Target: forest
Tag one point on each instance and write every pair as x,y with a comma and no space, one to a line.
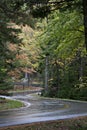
47,37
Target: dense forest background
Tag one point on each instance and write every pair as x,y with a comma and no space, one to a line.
45,37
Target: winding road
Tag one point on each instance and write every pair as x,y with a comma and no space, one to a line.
41,109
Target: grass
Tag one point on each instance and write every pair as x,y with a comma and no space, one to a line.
68,124
6,104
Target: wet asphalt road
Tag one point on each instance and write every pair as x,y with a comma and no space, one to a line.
42,109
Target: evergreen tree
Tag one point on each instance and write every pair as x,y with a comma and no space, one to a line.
12,12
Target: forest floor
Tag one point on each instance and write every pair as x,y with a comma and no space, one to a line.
79,123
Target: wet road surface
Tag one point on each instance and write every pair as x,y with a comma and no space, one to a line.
42,109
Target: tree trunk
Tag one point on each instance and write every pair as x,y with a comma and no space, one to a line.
28,79
46,74
85,20
81,69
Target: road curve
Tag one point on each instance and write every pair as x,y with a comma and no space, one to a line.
42,109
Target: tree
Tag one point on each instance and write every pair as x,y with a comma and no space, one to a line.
8,35
11,14
44,8
85,20
63,39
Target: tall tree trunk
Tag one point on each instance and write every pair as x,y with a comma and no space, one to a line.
46,74
80,60
28,79
81,69
85,20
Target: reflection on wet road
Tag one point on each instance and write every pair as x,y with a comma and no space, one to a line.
41,109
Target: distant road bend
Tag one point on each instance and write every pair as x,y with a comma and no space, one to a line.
41,109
